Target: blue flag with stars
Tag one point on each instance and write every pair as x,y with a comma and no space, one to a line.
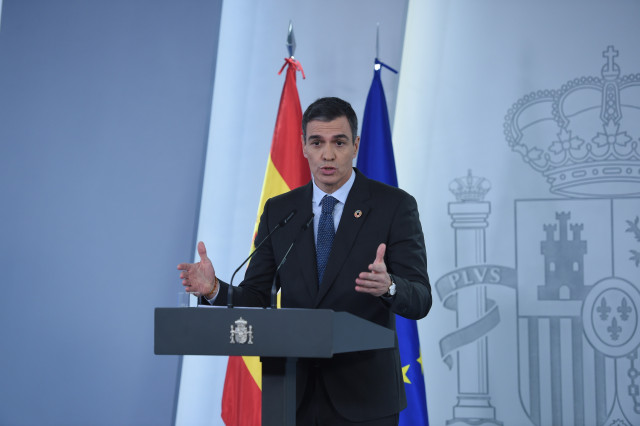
376,161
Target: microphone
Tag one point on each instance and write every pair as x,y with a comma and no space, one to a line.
274,291
280,224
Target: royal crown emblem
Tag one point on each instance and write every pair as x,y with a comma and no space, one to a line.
469,188
582,137
241,333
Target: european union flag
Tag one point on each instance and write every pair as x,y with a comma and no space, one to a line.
376,161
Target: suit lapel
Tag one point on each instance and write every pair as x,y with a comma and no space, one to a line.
350,224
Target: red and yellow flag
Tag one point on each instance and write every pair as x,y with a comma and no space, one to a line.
286,169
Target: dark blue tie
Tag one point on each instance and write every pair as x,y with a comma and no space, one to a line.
325,234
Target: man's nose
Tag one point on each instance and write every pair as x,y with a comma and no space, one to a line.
328,154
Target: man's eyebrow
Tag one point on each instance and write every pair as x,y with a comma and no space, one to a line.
340,136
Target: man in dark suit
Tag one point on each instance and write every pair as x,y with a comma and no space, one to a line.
366,255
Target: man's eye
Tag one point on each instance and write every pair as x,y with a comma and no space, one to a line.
340,143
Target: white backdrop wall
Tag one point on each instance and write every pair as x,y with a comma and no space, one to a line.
336,44
535,281
508,341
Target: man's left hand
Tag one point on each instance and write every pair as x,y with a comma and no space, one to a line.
377,281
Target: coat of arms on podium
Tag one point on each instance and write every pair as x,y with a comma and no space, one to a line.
241,333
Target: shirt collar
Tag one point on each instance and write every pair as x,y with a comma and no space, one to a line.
340,194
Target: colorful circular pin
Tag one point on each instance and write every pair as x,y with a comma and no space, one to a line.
357,213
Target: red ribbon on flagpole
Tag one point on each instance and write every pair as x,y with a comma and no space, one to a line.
294,63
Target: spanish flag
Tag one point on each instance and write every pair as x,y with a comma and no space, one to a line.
286,169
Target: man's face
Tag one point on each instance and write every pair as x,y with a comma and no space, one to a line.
330,150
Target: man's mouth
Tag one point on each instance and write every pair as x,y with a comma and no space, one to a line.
327,170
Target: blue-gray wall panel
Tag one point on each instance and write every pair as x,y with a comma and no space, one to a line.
104,108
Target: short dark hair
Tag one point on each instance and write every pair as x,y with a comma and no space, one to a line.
328,109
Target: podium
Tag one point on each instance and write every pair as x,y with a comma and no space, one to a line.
278,336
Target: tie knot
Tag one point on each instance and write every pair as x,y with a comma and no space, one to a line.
328,203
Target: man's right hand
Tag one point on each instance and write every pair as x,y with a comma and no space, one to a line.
198,278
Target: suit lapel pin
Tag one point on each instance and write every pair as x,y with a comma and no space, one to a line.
357,214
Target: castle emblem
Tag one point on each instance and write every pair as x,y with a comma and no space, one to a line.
241,334
563,261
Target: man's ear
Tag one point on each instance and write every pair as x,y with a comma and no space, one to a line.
304,147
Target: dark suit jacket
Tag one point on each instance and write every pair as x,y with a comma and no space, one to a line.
362,385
